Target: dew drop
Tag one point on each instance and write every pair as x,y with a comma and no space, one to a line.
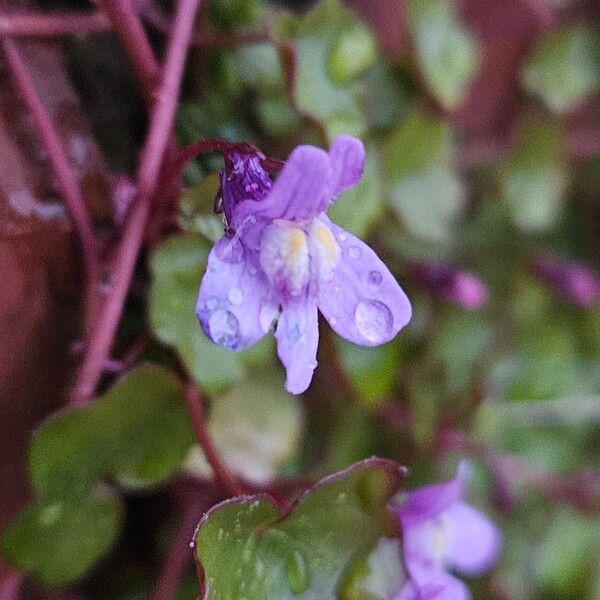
374,278
212,303
235,296
374,320
354,252
343,236
297,572
224,329
332,321
50,514
191,545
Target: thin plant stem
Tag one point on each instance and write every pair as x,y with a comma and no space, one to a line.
44,25
130,30
68,185
196,412
151,158
177,559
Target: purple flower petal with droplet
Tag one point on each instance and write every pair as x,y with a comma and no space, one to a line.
282,258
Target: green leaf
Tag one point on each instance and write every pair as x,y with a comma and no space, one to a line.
59,540
353,53
535,178
197,209
424,191
361,206
256,427
429,203
246,549
372,369
566,556
138,431
445,49
259,67
177,267
564,68
316,94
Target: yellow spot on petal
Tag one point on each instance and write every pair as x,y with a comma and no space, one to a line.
296,246
326,238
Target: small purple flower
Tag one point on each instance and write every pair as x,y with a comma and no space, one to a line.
281,260
451,284
442,533
574,282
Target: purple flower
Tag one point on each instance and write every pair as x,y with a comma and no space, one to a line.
281,260
574,282
451,284
442,533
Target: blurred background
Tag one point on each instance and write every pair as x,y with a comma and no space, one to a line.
481,192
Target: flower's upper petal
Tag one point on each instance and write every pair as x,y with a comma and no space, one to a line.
362,302
301,191
235,305
475,542
427,582
430,501
347,156
297,339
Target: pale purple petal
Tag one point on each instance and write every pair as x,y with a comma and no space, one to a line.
429,501
297,339
235,305
362,302
301,191
347,155
475,541
430,583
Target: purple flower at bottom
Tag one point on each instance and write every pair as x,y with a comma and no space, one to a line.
282,260
441,533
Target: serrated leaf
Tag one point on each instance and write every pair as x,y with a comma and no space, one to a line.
247,549
564,68
255,426
177,267
58,540
445,49
138,431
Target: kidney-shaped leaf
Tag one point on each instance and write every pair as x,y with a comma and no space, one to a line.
59,540
247,549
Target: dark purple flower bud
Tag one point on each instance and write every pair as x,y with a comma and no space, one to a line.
243,179
572,281
451,284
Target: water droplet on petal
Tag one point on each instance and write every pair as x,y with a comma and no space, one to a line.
374,278
212,303
354,252
374,320
332,321
224,329
235,296
297,573
343,236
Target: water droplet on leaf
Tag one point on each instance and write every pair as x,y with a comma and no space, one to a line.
374,320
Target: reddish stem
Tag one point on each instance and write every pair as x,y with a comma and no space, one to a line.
31,24
132,35
151,158
69,187
177,559
196,411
